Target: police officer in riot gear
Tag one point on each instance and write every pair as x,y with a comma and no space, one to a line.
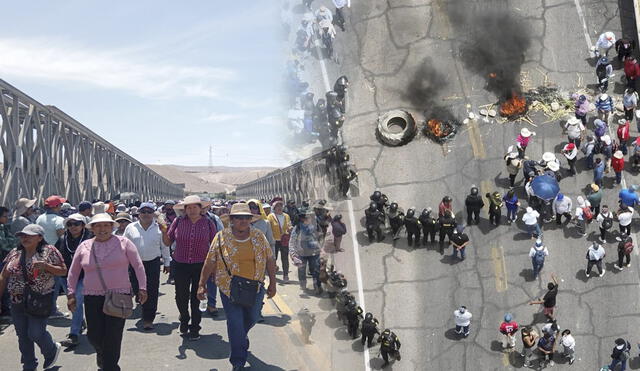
447,224
412,225
346,174
369,329
474,204
343,298
373,219
389,346
381,201
354,313
429,225
340,87
396,219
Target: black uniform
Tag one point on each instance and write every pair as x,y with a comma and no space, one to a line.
369,329
495,207
343,298
381,201
396,220
340,87
389,346
474,204
354,313
412,225
373,219
346,174
429,225
447,225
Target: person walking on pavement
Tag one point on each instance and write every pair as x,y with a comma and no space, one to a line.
568,346
598,172
604,105
307,248
474,204
583,215
538,254
338,19
546,348
529,337
514,164
623,135
605,222
281,229
511,202
548,301
238,259
631,72
530,219
22,213
595,198
595,255
447,224
575,131
625,217
495,207
620,354
522,141
581,105
508,329
147,237
462,318
625,247
617,163
588,149
606,41
570,152
562,206
459,240
429,226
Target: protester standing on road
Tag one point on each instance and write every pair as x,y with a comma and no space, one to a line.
339,17
307,248
625,247
511,202
529,337
240,254
631,73
522,141
617,163
538,254
595,198
67,245
581,105
606,41
625,217
595,254
33,264
620,354
51,220
568,346
588,149
508,329
22,214
462,318
192,234
549,299
281,229
123,219
623,135
530,219
583,215
147,237
598,172
605,221
460,241
575,131
514,164
604,105
570,152
262,224
562,207
546,347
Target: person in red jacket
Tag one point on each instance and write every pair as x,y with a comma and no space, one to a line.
617,163
623,135
631,71
508,328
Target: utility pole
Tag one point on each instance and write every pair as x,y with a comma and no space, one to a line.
210,158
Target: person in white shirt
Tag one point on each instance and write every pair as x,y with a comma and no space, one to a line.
530,219
605,222
605,42
568,346
595,254
462,318
146,235
575,131
625,216
581,221
570,152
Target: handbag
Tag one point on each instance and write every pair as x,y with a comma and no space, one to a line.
115,304
243,290
284,237
35,304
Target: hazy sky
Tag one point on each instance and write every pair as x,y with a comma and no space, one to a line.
161,80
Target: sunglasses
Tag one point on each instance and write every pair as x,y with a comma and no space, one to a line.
242,217
146,211
74,224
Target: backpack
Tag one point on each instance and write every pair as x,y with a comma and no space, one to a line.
607,222
600,131
628,247
587,215
538,258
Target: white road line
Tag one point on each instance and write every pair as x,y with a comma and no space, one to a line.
584,25
352,218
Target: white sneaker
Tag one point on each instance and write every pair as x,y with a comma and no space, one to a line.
617,267
603,272
627,265
551,363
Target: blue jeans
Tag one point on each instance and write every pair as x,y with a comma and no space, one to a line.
614,362
314,267
512,213
78,315
618,176
31,330
239,321
589,160
212,291
536,268
455,253
60,282
535,228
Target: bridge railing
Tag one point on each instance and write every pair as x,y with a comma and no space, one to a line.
45,151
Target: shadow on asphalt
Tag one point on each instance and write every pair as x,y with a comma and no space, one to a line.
83,347
582,276
451,335
496,346
332,321
276,321
258,364
377,362
208,347
527,274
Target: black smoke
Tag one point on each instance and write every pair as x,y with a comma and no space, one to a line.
424,91
494,41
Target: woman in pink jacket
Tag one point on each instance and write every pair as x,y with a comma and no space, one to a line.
113,254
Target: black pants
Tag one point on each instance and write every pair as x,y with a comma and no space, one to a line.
353,326
473,214
628,114
104,333
572,165
386,353
374,228
368,338
395,226
595,210
429,232
512,179
187,277
448,232
284,256
597,263
494,217
603,234
338,19
559,217
626,230
152,271
413,234
622,256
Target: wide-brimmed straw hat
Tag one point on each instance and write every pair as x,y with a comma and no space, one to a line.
22,205
101,218
548,157
618,154
526,132
123,216
553,166
75,217
98,208
240,209
191,200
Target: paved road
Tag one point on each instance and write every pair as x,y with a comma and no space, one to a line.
415,291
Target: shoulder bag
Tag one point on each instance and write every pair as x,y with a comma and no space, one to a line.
284,237
243,290
35,304
115,304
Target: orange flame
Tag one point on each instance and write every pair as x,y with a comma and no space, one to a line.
493,75
435,127
514,106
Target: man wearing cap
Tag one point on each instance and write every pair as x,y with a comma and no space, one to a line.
51,220
67,244
146,235
538,253
22,214
562,205
530,219
570,152
620,354
123,219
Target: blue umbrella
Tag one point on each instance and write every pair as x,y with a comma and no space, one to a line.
545,187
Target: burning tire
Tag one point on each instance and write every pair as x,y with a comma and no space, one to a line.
396,128
440,131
